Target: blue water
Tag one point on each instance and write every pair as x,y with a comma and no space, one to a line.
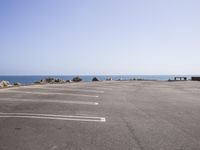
32,79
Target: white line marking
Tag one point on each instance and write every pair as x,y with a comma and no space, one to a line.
102,88
48,93
49,101
95,88
87,87
52,117
66,89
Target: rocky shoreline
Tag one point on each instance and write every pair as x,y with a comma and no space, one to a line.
51,80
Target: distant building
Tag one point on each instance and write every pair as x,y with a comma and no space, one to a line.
195,78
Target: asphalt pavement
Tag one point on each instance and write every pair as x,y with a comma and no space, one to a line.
108,115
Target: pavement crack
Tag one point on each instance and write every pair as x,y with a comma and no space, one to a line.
133,135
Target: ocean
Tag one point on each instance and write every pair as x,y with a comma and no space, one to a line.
87,78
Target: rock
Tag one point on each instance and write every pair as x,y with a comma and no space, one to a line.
109,79
37,82
1,86
140,79
40,82
59,81
17,84
43,81
62,81
77,79
95,79
69,81
50,80
4,84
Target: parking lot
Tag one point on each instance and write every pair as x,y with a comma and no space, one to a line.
109,115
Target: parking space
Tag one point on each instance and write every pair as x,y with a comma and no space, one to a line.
53,100
48,103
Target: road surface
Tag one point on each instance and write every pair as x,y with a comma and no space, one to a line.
109,115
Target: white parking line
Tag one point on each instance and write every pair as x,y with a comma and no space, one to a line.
66,89
98,88
86,87
49,101
48,93
52,117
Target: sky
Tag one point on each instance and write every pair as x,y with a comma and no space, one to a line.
99,37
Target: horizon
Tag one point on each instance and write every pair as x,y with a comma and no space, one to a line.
99,75
111,75
99,37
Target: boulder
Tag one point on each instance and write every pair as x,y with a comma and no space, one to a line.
40,82
109,79
4,84
59,81
37,82
50,80
17,84
77,79
62,81
95,79
69,81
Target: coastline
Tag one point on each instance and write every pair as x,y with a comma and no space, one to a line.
29,79
43,82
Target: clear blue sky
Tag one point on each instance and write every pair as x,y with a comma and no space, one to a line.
66,37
